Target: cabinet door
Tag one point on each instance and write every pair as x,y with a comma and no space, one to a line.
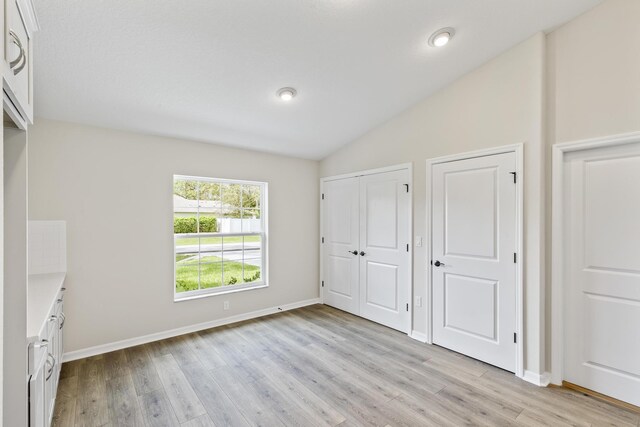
50,368
18,74
37,400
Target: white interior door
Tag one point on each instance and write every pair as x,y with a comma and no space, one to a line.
473,250
384,248
602,271
366,249
341,244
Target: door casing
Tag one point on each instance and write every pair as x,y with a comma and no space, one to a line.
518,149
403,166
557,233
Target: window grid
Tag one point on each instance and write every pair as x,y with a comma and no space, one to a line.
255,211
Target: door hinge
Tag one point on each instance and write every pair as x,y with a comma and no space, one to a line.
322,196
406,185
515,338
514,176
515,258
323,283
407,247
407,306
323,240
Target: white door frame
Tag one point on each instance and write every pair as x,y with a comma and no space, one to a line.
518,149
402,166
557,233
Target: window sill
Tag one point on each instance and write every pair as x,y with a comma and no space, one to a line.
178,298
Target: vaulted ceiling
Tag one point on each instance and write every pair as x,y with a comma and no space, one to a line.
209,70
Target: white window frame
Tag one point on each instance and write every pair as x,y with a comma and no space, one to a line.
264,278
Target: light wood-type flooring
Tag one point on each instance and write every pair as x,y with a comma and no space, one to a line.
314,366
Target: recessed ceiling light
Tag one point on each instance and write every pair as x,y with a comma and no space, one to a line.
441,37
286,93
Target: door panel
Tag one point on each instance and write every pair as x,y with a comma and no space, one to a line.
381,212
602,271
382,289
474,237
341,267
470,306
384,235
471,191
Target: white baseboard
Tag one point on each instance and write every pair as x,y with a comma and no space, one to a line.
541,380
419,336
130,342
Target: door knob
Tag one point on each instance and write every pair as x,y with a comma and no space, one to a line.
353,252
362,253
438,263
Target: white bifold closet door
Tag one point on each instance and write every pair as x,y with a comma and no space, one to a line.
366,247
602,271
473,248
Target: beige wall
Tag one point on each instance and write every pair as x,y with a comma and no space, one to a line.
594,81
500,103
114,189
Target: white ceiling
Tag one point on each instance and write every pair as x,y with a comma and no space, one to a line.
208,70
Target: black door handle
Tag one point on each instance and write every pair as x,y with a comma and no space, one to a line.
362,253
438,263
353,252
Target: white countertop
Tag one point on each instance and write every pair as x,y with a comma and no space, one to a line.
42,290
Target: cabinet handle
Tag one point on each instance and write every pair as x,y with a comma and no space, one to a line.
43,343
63,319
53,365
24,62
15,40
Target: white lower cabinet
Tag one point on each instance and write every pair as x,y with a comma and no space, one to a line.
45,357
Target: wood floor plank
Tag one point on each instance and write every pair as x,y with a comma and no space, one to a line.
311,366
181,351
65,409
256,411
357,405
115,364
143,371
222,411
206,354
316,407
124,408
201,421
70,369
91,403
184,401
156,409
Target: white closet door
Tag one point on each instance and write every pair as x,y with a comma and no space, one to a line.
602,271
341,244
384,249
473,246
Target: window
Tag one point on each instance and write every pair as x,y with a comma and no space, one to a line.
219,228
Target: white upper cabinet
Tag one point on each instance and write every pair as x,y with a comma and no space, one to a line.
20,24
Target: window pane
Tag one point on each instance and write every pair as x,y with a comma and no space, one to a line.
207,223
210,275
252,270
231,194
185,189
186,276
251,196
232,272
252,248
251,222
210,249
